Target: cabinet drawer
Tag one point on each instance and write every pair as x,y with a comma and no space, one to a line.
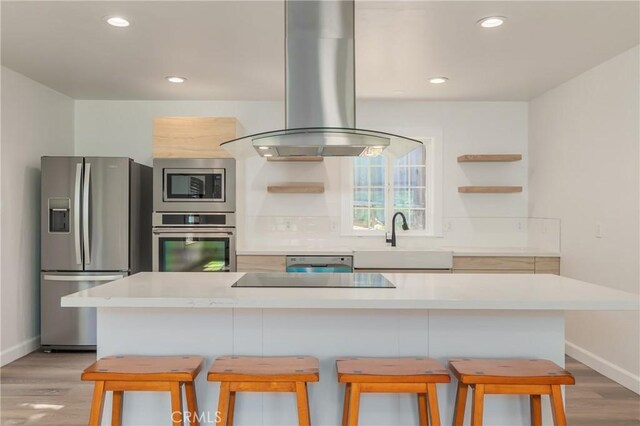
405,271
261,263
547,265
491,271
516,263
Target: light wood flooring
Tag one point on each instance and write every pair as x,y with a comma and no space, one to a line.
45,389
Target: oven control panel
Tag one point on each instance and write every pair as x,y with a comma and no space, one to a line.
194,219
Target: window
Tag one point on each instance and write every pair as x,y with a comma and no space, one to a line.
380,186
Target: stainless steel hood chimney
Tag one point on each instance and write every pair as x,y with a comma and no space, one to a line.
320,91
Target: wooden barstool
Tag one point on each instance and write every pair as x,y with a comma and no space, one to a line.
263,374
391,375
144,373
533,377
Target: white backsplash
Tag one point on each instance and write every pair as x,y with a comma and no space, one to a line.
324,232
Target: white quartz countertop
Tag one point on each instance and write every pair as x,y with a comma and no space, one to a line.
413,291
347,251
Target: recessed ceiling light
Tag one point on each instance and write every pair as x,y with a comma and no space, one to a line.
175,79
492,21
438,80
117,21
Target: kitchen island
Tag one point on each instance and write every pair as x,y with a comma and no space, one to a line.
435,315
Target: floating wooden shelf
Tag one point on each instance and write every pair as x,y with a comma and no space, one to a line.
489,189
295,159
296,188
489,158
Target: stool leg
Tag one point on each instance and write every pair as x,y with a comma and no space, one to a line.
223,404
478,405
345,408
434,412
422,409
95,415
354,404
116,408
232,407
304,419
461,403
177,414
192,403
535,401
557,406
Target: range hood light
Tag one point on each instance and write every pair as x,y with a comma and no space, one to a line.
372,151
264,148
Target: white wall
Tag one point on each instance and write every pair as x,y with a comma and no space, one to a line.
36,121
584,169
125,128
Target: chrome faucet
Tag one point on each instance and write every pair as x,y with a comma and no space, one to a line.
405,227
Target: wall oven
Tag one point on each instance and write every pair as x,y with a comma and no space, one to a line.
194,242
194,184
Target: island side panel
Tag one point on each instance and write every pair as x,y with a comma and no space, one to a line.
164,331
332,333
326,334
495,334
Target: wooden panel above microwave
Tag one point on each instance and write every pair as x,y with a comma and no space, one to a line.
192,137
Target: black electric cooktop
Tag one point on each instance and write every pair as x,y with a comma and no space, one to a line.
311,280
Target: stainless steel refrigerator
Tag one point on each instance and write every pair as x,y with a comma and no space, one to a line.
95,228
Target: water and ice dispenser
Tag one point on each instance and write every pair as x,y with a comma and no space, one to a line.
59,215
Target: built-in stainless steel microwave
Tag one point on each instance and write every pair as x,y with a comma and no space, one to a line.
194,185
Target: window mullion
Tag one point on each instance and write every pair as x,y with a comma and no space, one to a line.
389,198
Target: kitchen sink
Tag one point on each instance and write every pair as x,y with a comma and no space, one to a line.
402,258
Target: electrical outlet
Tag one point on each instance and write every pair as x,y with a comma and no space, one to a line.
599,233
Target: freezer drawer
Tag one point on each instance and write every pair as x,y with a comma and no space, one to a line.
68,327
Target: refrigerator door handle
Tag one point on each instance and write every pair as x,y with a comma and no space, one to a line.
85,214
83,277
76,213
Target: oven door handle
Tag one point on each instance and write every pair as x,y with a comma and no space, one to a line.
192,231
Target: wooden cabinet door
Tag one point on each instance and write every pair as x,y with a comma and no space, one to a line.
192,137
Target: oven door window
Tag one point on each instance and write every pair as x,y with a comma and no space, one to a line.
200,185
194,254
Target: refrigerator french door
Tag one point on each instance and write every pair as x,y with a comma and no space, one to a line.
90,235
85,214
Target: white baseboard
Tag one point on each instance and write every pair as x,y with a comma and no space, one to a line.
19,350
604,367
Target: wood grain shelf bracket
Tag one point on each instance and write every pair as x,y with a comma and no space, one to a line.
489,189
295,159
489,158
296,188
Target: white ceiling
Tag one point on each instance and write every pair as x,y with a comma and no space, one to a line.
234,50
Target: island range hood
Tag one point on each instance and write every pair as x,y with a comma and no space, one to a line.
320,91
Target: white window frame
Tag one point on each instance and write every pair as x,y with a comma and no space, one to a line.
433,189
